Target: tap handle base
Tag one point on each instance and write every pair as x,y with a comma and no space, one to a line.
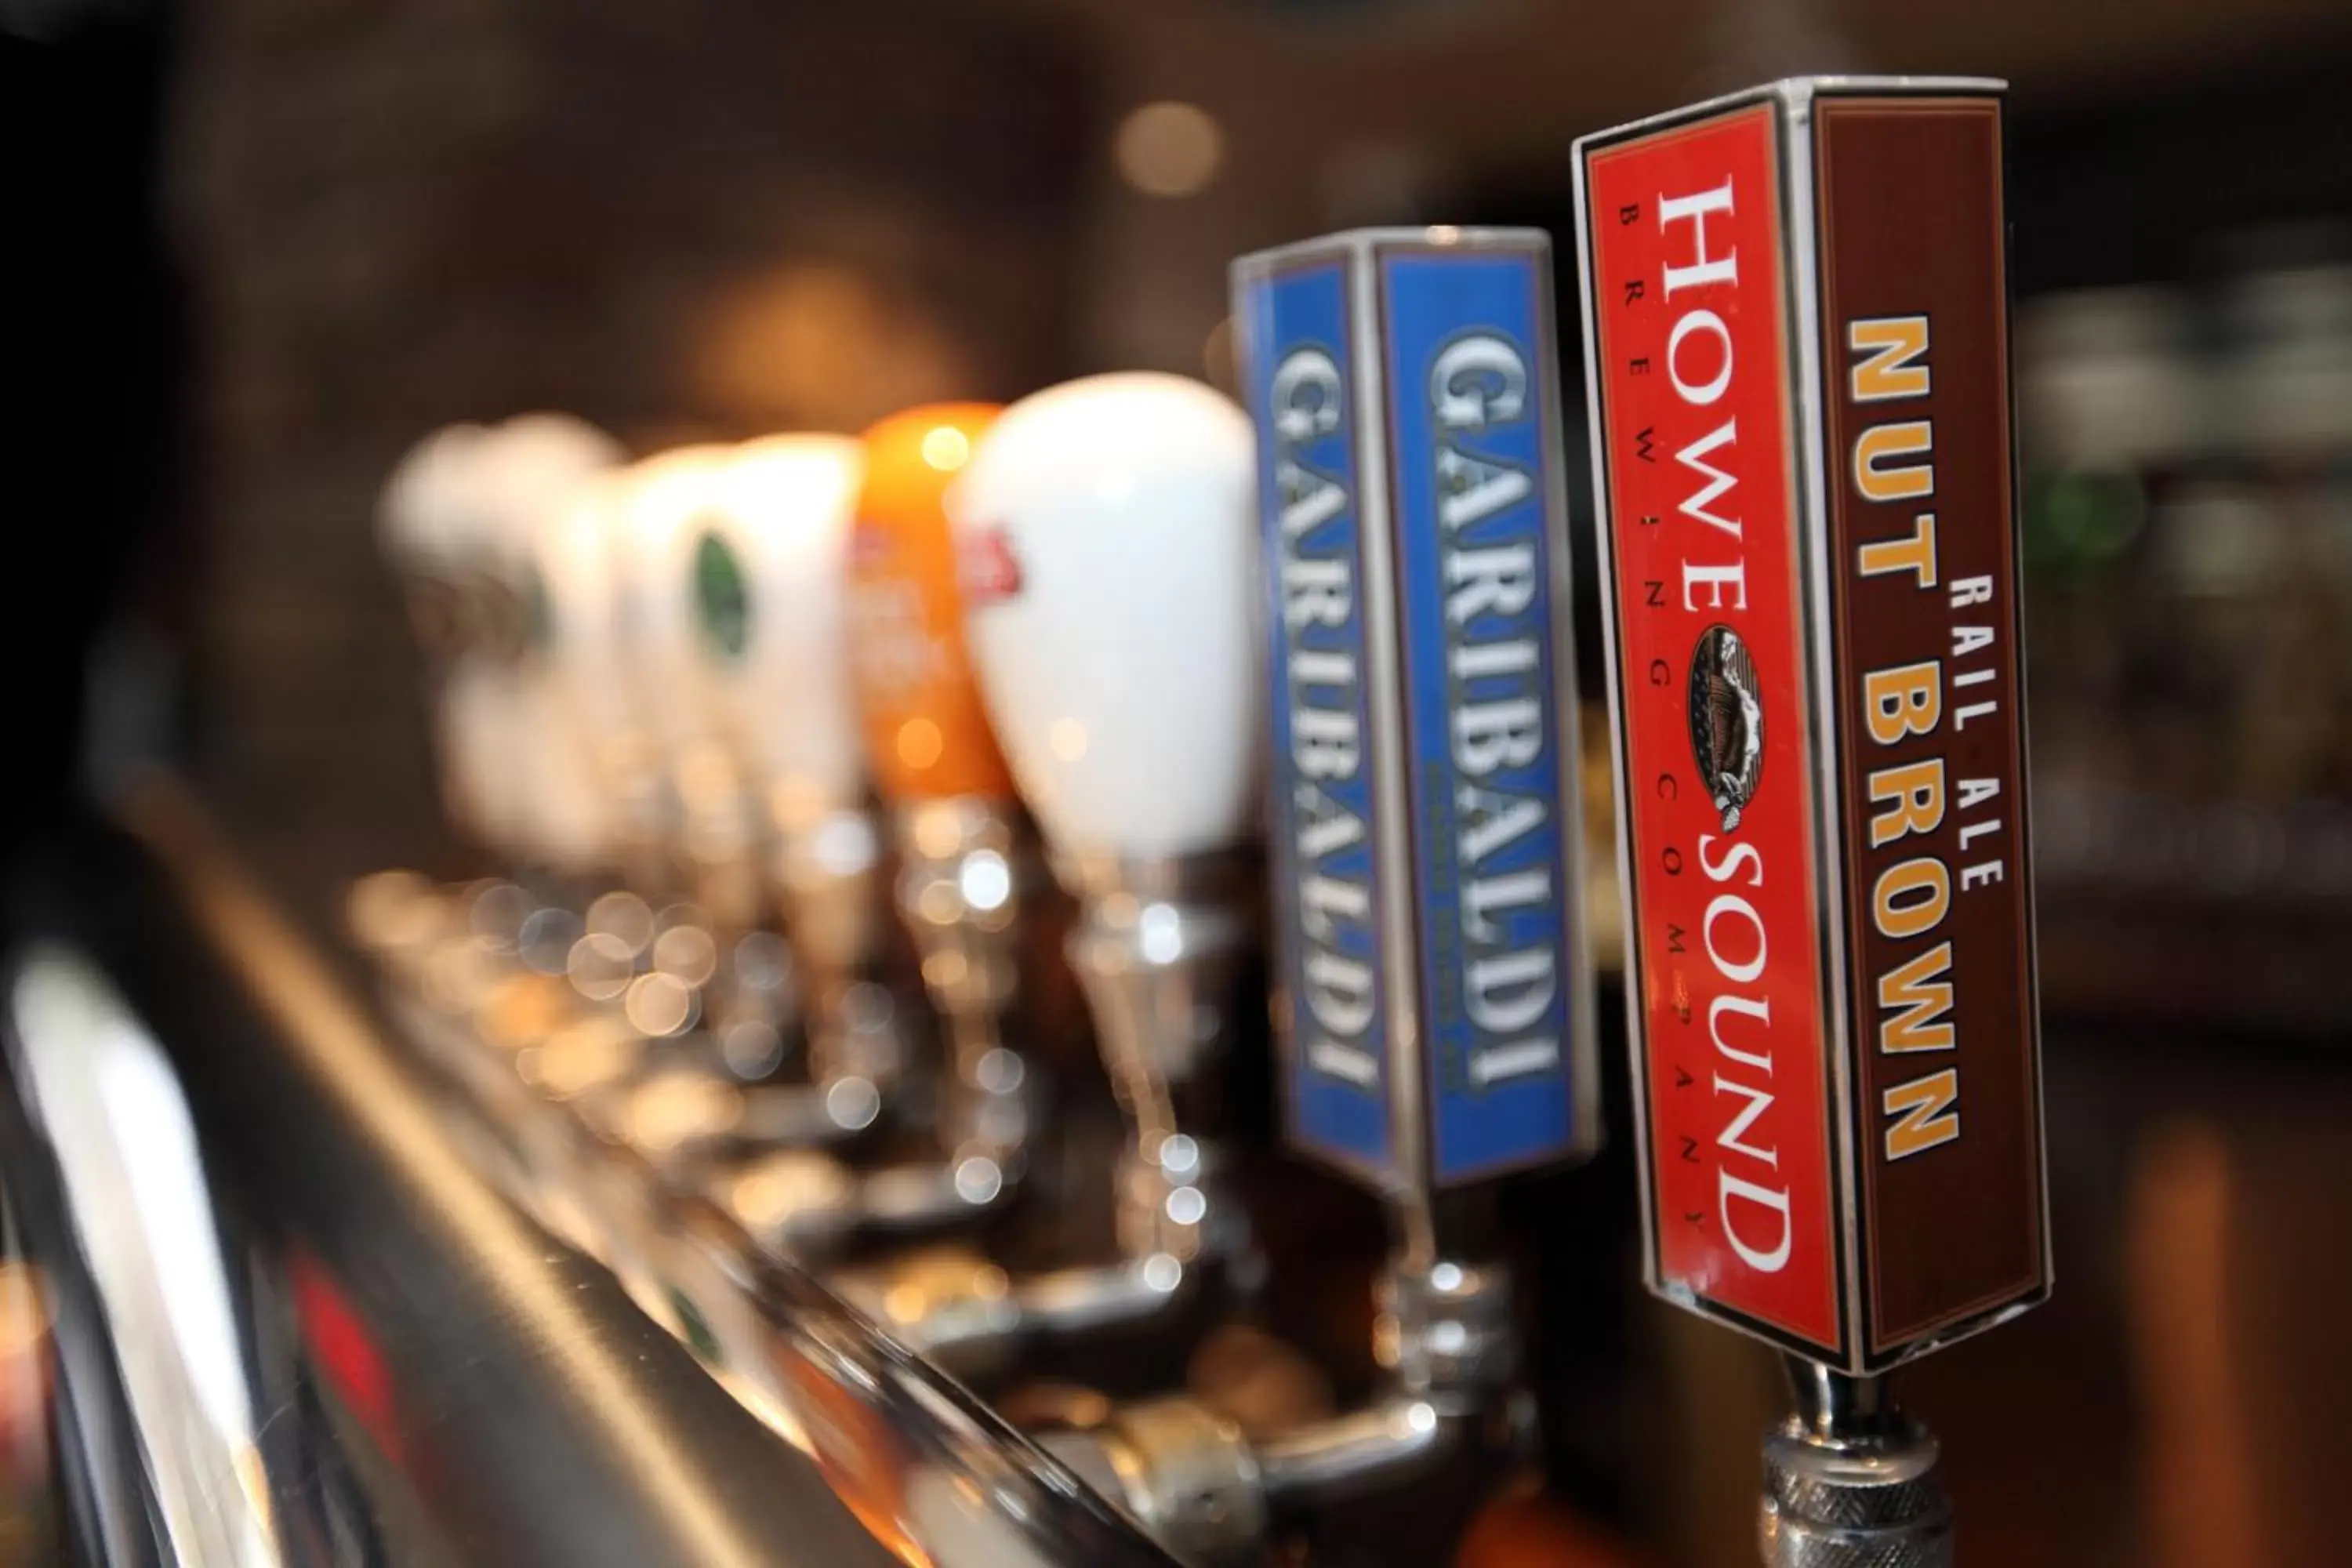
1878,1503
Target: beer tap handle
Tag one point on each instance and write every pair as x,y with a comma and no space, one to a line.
767,582
937,764
768,602
538,467
1434,985
594,684
1815,686
683,608
1433,988
1101,536
464,518
429,526
1103,531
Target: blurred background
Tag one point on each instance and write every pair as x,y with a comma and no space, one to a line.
256,249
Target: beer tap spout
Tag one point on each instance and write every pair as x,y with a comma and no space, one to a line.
958,892
1210,1493
1156,951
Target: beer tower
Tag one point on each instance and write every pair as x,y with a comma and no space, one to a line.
431,526
535,469
594,682
928,742
668,530
766,584
1101,531
1432,984
1796,310
949,795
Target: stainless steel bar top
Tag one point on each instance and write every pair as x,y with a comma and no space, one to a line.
296,1325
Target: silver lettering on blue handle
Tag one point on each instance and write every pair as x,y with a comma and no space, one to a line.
1434,999
1472,483
1299,380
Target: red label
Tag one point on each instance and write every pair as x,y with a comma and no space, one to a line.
870,546
1687,289
986,568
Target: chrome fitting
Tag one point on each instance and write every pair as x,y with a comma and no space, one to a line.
1445,1331
1183,1472
719,833
1156,951
803,1201
1851,1482
827,866
1209,1494
959,894
971,1317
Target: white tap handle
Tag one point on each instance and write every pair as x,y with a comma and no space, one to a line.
431,525
421,515
536,467
594,679
672,501
1110,580
771,590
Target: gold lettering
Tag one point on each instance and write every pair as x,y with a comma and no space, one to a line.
1895,341
1911,897
1924,999
1907,699
1877,446
1929,1111
1915,554
1917,791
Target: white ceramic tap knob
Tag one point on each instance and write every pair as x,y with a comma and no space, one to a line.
1109,573
537,467
536,462
672,502
421,516
772,585
434,532
589,643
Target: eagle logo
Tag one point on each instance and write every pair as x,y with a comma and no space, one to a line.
1726,720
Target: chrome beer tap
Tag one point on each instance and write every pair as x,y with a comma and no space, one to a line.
600,691
958,892
1433,991
612,723
767,566
669,508
952,817
696,535
1820,722
458,519
1102,531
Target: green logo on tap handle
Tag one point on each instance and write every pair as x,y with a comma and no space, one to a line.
722,605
